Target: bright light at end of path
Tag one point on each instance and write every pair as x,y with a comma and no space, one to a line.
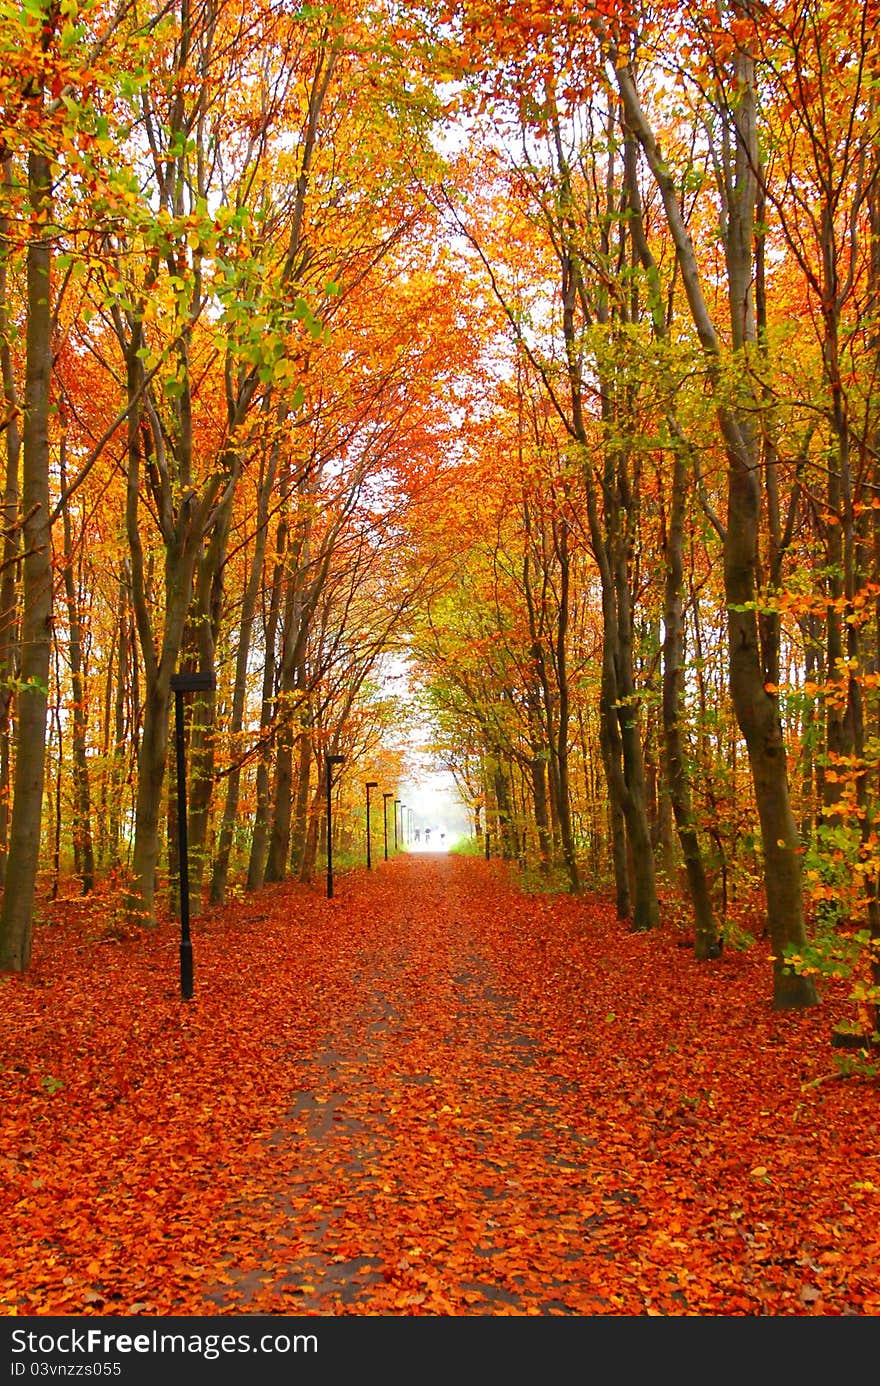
439,818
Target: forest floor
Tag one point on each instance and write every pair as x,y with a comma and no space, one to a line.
434,1094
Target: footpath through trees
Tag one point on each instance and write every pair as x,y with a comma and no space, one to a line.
434,1094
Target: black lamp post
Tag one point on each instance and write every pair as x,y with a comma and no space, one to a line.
371,784
180,684
396,802
385,798
331,761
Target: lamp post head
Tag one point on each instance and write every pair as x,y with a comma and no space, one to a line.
372,784
193,683
335,760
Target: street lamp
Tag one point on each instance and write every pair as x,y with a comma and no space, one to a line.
180,684
385,798
396,803
371,784
331,761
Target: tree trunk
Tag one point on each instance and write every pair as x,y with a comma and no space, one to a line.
303,783
16,916
9,651
245,631
298,609
120,755
646,909
310,855
616,823
262,814
502,804
153,754
538,780
82,803
559,743
707,938
206,620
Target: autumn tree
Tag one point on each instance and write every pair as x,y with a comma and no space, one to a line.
753,662
54,83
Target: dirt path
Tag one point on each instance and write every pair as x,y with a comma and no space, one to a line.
433,1111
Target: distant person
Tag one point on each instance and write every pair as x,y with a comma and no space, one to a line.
418,834
427,836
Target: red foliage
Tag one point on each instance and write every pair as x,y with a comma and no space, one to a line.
430,1095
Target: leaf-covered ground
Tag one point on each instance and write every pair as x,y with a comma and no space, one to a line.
431,1095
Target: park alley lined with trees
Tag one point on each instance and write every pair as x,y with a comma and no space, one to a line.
528,348
496,383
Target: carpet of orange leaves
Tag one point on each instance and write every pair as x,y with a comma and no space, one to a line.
430,1095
